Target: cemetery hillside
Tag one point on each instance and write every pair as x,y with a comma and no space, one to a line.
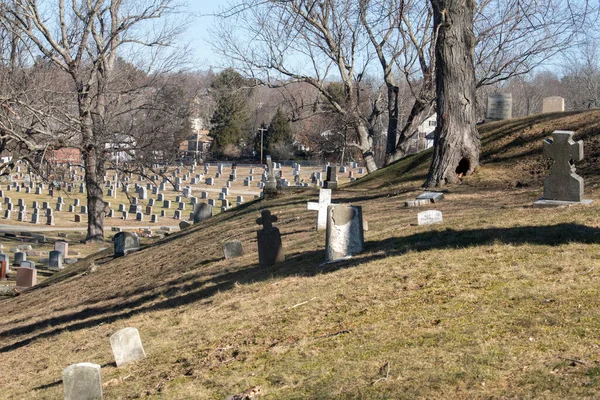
499,300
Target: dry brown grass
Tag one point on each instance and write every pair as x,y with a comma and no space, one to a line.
498,302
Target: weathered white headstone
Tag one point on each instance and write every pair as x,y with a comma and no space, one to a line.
82,381
430,217
127,346
345,235
233,249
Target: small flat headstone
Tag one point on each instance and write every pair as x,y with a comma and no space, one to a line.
430,217
184,225
433,197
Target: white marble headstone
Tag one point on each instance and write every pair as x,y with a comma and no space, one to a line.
430,217
82,381
127,346
321,207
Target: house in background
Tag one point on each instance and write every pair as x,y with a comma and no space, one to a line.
64,156
427,128
425,136
196,147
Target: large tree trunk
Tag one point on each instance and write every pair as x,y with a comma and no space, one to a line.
456,148
392,130
93,158
365,141
94,178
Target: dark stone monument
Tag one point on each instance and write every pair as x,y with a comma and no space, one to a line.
201,212
331,181
126,242
19,258
270,250
56,260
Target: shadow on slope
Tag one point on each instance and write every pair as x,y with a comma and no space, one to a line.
200,286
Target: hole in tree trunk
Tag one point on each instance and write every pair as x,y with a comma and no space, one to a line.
463,167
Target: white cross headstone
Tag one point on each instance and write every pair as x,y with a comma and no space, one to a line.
321,207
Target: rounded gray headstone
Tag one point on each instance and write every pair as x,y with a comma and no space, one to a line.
82,381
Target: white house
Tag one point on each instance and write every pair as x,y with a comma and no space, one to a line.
427,128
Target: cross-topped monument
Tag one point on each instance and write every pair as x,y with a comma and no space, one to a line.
266,220
321,207
563,184
270,250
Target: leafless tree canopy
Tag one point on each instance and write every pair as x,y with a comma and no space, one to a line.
278,42
83,67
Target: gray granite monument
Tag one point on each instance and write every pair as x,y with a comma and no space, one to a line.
563,186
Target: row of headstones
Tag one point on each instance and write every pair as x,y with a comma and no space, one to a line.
84,380
40,187
127,242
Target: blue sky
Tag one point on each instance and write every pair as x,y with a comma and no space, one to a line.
197,34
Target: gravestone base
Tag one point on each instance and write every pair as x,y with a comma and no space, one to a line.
270,193
541,203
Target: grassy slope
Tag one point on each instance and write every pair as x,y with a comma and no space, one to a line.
499,301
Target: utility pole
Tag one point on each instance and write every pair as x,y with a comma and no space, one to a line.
262,131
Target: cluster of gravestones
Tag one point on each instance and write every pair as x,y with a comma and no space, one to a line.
26,270
84,380
344,223
562,186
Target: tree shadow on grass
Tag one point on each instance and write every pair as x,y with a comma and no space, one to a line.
199,286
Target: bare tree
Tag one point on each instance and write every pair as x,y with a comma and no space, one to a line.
582,76
278,43
82,40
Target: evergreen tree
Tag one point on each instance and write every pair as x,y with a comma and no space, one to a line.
229,123
279,138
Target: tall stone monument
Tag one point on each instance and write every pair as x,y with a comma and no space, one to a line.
270,249
563,185
345,235
270,188
499,106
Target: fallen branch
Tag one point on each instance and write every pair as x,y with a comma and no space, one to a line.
387,374
337,333
572,360
301,304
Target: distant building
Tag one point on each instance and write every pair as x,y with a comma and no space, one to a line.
427,128
64,156
196,146
424,138
121,148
